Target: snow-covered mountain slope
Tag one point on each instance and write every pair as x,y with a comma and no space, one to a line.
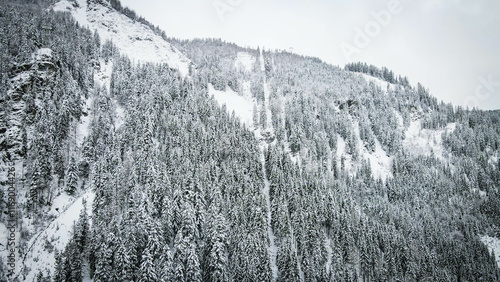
380,162
301,189
426,142
132,38
41,248
240,105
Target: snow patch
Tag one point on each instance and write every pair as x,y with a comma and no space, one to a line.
244,61
120,115
102,77
43,54
493,159
40,255
399,117
133,39
241,106
247,93
77,9
82,129
329,251
341,145
426,142
380,162
493,245
378,82
481,193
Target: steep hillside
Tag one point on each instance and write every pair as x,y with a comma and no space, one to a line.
134,39
138,158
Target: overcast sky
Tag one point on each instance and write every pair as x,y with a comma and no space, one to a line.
451,46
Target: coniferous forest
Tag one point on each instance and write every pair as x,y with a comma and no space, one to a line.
184,190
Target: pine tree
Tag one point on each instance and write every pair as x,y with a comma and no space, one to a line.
193,270
186,262
82,229
40,277
217,253
58,269
123,263
287,262
147,271
180,246
104,268
75,258
167,265
72,177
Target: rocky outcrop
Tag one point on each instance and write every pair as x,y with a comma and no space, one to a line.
18,103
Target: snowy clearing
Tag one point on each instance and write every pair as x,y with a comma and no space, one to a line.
378,82
380,162
493,244
426,142
40,256
120,115
242,107
399,117
43,54
102,77
134,39
244,61
82,129
329,251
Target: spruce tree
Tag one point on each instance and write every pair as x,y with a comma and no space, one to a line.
72,177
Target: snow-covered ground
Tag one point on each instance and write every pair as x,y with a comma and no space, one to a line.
40,255
426,142
43,54
244,61
132,38
102,77
378,82
82,129
241,106
399,117
493,159
480,192
120,115
380,162
329,252
247,93
493,244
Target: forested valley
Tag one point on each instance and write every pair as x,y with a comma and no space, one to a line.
327,180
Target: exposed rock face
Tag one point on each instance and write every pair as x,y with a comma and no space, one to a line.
19,101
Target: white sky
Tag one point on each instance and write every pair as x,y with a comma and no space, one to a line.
450,46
